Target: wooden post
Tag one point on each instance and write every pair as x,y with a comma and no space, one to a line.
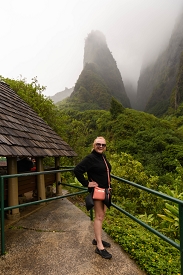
41,192
58,177
12,188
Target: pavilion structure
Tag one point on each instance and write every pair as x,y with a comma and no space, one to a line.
23,134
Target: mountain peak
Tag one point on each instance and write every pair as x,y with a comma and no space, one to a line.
100,79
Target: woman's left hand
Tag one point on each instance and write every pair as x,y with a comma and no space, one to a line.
92,184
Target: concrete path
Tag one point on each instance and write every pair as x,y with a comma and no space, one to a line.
56,240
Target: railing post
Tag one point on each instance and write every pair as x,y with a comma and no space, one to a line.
2,216
91,216
181,235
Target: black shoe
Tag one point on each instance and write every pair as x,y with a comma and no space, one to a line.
103,253
105,244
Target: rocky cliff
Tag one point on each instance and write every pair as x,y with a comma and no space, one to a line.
156,82
61,95
100,79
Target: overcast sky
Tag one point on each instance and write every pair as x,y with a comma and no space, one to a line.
45,38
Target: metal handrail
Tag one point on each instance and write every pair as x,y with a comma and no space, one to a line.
166,197
85,190
3,209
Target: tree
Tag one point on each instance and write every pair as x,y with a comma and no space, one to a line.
116,108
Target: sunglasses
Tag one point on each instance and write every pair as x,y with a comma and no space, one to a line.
100,144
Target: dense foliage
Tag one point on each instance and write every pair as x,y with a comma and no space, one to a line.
150,252
90,92
162,103
177,93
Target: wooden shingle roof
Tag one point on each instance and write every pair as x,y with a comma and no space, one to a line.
23,132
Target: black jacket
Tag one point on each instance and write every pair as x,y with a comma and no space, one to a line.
95,167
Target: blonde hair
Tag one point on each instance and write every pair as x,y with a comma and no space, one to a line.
98,137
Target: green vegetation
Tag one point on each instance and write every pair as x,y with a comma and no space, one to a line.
150,252
141,148
177,93
2,158
166,85
90,92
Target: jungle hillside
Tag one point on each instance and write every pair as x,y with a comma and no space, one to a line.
141,147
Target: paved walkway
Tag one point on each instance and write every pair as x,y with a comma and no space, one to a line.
56,240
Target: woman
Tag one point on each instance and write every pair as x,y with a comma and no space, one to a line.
95,166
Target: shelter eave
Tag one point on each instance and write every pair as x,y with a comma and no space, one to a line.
17,151
24,133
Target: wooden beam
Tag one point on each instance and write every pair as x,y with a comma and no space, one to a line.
12,188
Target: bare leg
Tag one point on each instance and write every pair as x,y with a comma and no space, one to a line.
100,210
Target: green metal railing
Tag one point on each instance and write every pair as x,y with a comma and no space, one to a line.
3,209
85,190
166,197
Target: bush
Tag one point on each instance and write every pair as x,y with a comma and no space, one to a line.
152,254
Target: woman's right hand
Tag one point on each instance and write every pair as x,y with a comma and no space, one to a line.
92,184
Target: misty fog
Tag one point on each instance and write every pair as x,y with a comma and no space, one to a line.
46,38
